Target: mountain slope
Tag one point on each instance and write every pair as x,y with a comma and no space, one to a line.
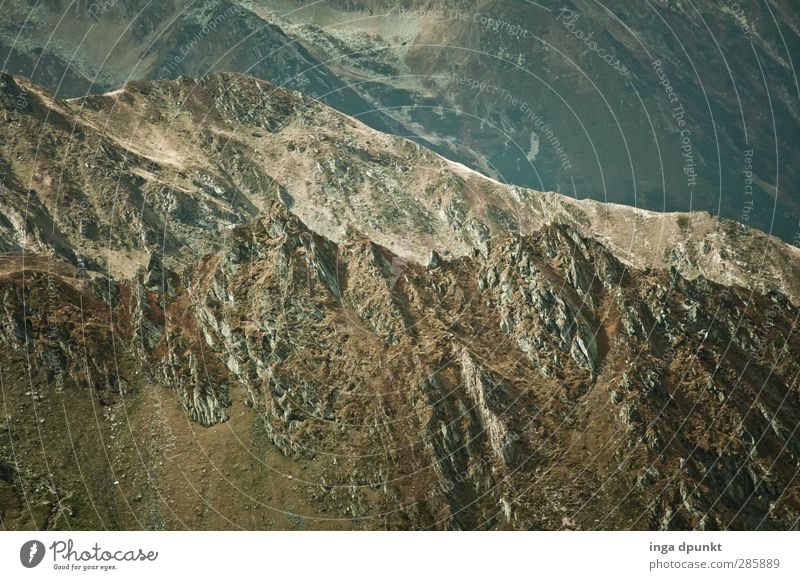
226,305
179,162
659,105
291,382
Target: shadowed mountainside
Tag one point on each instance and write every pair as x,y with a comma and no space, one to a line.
226,305
661,105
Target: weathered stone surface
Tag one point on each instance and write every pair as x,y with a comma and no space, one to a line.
539,380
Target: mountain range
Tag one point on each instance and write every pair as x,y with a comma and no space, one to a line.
660,105
228,305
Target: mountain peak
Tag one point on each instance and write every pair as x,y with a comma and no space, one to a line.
211,152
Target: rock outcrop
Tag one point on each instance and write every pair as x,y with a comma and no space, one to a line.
275,373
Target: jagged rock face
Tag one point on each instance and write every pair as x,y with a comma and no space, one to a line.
169,167
225,305
580,96
564,96
291,381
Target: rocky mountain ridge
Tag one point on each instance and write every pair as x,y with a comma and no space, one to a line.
178,160
228,306
705,116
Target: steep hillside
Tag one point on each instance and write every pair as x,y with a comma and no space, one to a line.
225,305
662,105
168,167
666,106
291,382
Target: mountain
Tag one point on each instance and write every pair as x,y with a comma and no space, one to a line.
227,305
666,106
85,47
661,105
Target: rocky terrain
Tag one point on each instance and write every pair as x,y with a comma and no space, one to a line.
662,105
225,305
170,167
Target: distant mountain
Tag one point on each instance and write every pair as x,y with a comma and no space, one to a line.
665,106
75,48
226,305
662,105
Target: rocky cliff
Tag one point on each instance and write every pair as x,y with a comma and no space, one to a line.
228,306
662,105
